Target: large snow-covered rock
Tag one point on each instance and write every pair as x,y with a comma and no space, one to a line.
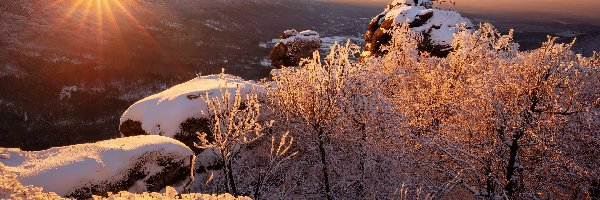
436,26
293,46
180,112
137,164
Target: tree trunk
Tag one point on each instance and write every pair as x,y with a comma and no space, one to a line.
363,157
323,155
231,180
258,187
512,164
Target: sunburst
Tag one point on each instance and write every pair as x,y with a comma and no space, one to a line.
96,18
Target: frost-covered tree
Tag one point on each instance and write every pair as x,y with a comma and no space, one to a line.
279,153
310,95
495,121
234,122
487,121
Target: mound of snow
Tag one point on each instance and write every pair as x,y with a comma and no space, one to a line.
436,26
163,113
179,112
142,163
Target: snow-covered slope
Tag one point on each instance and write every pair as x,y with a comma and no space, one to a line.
141,163
436,26
165,112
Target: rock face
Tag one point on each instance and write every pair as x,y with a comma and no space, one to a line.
435,26
140,164
180,112
293,46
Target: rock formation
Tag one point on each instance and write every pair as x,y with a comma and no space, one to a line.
293,46
138,164
435,26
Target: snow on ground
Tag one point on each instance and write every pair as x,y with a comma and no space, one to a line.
443,24
265,62
329,41
11,188
71,169
163,113
12,70
171,193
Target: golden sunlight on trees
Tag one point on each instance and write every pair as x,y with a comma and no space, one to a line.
499,122
488,120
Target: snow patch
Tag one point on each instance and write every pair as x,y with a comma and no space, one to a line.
12,70
66,91
214,24
265,62
57,59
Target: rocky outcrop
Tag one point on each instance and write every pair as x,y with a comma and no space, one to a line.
293,46
180,112
139,164
435,26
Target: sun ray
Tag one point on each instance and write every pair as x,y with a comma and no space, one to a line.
100,31
110,14
68,14
86,15
92,21
133,20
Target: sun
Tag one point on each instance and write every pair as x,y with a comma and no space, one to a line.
105,13
101,10
97,19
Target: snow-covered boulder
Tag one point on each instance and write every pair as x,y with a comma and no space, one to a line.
136,164
436,26
293,46
180,112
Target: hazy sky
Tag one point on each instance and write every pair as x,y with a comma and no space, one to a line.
583,9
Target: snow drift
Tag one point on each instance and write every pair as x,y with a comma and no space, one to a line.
179,112
137,164
437,27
